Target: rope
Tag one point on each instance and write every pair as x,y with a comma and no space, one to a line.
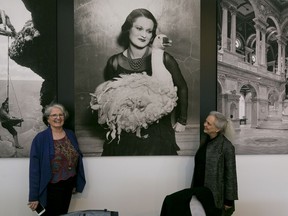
9,80
8,70
16,99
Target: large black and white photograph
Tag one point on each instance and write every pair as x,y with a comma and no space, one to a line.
28,75
252,87
137,71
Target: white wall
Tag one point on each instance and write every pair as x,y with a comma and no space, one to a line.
136,186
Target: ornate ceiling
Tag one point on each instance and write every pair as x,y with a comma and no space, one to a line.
245,26
280,4
245,8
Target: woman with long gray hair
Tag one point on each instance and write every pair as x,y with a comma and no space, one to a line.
215,164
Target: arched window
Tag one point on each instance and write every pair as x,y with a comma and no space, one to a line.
238,44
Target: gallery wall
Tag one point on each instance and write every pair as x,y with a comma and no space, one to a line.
136,186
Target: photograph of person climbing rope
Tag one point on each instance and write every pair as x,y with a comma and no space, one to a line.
27,72
137,77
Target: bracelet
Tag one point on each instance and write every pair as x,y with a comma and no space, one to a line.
182,121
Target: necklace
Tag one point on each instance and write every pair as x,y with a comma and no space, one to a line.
58,135
67,150
136,64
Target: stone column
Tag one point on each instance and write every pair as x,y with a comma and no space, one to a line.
279,61
248,52
260,27
254,113
257,52
233,30
263,48
220,103
283,58
224,31
285,111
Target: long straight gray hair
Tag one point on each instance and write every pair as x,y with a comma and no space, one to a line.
224,125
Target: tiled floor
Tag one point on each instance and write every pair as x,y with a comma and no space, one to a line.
273,139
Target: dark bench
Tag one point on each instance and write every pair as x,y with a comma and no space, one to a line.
104,212
243,121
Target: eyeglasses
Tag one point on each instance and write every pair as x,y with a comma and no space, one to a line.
54,116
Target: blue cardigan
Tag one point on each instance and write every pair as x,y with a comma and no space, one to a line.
40,174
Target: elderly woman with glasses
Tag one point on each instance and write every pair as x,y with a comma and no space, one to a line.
56,166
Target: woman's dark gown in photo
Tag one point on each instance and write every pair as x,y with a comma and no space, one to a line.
159,137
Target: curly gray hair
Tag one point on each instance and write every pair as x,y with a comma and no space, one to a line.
49,108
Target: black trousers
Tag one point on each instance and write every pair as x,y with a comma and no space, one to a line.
59,196
178,203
